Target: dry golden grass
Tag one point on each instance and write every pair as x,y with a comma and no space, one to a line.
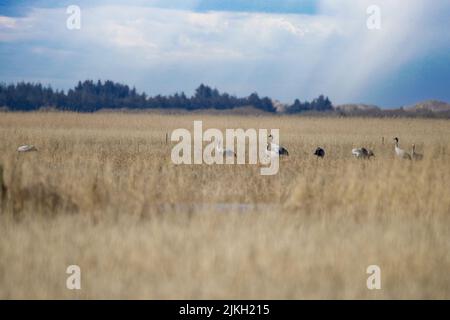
102,193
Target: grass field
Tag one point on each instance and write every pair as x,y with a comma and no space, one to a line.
102,193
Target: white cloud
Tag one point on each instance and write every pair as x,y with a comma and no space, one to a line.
7,22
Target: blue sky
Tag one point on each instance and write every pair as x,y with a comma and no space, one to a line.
284,49
19,7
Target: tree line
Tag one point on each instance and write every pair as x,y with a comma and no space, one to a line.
90,96
321,103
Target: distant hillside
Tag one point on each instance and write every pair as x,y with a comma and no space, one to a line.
240,111
425,109
356,107
430,105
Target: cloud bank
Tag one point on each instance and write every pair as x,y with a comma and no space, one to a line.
174,47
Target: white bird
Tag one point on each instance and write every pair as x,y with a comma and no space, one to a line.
224,152
271,153
414,154
362,153
275,149
26,148
402,154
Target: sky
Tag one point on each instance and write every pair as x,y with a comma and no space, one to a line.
284,49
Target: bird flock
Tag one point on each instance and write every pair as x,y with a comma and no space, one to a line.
274,149
359,153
